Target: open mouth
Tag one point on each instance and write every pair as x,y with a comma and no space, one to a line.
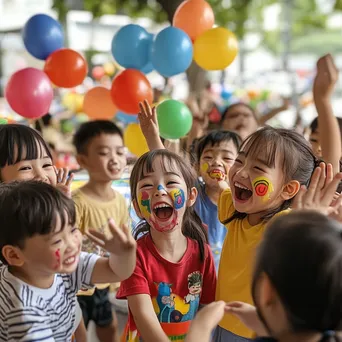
71,260
163,211
217,174
242,193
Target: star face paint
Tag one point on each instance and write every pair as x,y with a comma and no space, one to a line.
263,187
178,198
144,203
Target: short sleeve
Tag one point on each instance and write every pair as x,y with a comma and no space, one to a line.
209,278
225,205
82,276
135,284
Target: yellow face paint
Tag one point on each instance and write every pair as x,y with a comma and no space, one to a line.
204,167
144,204
263,187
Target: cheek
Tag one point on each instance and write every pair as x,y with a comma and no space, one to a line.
263,187
178,198
204,168
144,203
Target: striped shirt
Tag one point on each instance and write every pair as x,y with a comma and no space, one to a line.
29,313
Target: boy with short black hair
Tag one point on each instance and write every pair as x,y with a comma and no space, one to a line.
100,151
42,266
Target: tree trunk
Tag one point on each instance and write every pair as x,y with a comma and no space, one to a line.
196,75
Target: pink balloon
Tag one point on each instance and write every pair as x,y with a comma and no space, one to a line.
29,93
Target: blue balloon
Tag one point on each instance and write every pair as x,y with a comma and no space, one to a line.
42,35
149,66
172,52
130,47
226,94
126,118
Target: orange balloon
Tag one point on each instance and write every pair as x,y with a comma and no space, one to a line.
66,68
129,88
202,14
98,104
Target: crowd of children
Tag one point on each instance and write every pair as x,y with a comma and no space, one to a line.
238,240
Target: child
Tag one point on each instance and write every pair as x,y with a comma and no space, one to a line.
215,154
42,267
271,166
100,151
175,271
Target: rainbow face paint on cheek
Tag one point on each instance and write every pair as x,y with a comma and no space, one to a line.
144,204
178,198
263,187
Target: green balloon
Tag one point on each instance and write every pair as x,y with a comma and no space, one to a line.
3,121
174,119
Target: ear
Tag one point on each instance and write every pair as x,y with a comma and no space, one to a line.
290,190
81,160
192,197
13,255
137,209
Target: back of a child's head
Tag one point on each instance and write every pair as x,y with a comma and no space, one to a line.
31,208
92,129
19,142
233,106
301,254
215,138
171,162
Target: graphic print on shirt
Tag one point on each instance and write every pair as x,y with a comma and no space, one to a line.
171,308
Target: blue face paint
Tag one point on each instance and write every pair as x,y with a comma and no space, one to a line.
178,198
160,187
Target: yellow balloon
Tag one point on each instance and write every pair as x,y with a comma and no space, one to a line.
73,102
215,49
135,140
109,68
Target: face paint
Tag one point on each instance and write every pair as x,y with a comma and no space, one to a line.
205,167
58,258
217,174
160,187
263,187
144,204
178,198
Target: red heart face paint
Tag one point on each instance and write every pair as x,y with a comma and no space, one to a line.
58,258
144,203
263,187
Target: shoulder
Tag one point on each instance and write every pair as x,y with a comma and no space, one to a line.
225,205
119,198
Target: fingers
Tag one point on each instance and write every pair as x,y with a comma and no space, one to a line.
298,200
330,189
314,183
69,180
117,232
96,237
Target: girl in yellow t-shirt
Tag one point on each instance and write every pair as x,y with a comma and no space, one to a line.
271,166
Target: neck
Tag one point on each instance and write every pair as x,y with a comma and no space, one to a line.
171,245
213,194
99,189
42,281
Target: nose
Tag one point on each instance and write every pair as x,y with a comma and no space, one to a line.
73,242
40,175
242,171
217,162
160,191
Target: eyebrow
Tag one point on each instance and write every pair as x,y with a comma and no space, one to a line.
169,173
106,146
259,160
221,150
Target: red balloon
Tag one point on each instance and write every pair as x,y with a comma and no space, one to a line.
66,68
29,93
129,88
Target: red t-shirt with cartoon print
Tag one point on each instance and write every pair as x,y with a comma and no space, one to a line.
176,289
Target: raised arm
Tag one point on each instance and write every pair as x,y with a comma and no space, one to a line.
271,114
329,131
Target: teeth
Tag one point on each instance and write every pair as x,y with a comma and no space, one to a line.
70,260
238,185
162,206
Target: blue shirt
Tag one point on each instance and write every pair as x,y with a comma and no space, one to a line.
207,211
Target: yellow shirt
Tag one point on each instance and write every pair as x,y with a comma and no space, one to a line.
94,214
237,261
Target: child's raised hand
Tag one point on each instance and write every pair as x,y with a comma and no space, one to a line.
64,181
247,314
320,194
148,119
120,243
326,77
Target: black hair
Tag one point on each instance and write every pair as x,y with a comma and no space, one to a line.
192,224
19,142
314,124
91,129
234,105
301,254
31,208
215,138
46,120
297,160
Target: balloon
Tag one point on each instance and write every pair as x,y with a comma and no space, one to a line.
134,140
98,104
66,68
226,94
149,66
130,46
129,88
174,119
202,14
215,49
42,35
73,102
172,52
3,121
29,93
109,68
98,72
126,118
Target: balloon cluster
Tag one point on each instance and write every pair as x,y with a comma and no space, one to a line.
29,91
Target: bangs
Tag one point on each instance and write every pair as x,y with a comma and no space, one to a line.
19,142
263,144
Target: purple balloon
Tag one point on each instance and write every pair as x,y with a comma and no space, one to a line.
29,93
